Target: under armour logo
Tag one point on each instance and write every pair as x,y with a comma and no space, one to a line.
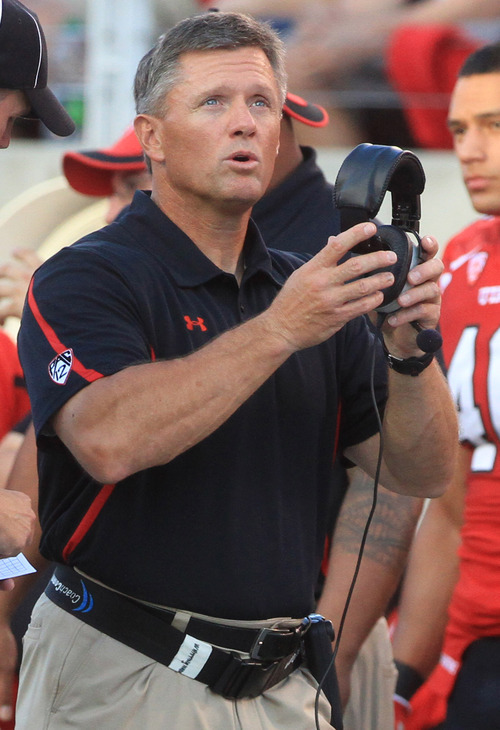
192,323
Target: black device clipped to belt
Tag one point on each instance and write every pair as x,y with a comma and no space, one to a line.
273,653
318,651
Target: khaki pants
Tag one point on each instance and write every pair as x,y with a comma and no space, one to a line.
73,676
373,681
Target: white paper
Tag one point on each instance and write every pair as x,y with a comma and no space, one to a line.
12,567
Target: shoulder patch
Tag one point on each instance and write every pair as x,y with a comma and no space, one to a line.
60,367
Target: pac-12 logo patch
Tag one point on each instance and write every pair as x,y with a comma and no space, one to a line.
60,367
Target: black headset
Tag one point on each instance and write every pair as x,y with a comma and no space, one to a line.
365,176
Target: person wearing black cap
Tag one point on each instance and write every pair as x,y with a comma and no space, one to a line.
188,386
23,92
23,74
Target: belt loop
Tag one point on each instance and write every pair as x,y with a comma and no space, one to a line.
180,621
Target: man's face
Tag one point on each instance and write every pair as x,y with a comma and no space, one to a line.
13,104
124,185
474,121
219,134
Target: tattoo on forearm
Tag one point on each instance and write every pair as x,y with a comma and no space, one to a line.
392,526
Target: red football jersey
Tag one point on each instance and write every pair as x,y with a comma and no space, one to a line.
470,323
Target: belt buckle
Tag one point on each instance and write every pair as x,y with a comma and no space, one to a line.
246,679
266,635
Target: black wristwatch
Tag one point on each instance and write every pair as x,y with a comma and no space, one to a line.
409,366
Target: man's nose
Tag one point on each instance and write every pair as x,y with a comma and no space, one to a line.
471,146
242,121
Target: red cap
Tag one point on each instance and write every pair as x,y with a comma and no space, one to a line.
90,172
300,109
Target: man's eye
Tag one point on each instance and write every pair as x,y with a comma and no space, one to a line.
211,102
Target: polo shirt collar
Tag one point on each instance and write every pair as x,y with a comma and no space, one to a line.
187,264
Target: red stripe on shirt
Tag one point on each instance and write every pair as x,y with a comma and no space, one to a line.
55,342
88,519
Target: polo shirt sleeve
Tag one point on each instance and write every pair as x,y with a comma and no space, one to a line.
80,323
358,415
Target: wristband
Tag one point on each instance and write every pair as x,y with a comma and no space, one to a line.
409,366
409,680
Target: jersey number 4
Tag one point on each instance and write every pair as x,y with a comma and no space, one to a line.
463,379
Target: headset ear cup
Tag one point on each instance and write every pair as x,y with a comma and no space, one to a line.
395,239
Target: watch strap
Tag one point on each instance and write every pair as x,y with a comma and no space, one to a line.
411,365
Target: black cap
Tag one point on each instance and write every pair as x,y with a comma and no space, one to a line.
23,65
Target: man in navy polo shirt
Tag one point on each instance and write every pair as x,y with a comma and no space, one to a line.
189,388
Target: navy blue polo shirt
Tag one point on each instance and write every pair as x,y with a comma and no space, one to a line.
235,526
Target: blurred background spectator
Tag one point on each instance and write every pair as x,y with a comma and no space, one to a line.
384,69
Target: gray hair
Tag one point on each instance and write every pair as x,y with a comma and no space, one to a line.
159,70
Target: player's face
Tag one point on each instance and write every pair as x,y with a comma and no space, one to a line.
13,104
474,121
124,185
219,134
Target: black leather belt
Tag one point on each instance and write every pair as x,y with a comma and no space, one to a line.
194,652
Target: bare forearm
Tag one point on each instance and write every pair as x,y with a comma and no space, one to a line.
384,557
155,411
420,434
431,576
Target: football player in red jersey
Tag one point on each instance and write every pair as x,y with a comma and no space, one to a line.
457,549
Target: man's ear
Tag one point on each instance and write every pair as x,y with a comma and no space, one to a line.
148,134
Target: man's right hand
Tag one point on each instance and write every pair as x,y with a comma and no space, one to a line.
321,296
17,522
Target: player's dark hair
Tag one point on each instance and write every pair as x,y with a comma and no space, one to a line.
485,60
